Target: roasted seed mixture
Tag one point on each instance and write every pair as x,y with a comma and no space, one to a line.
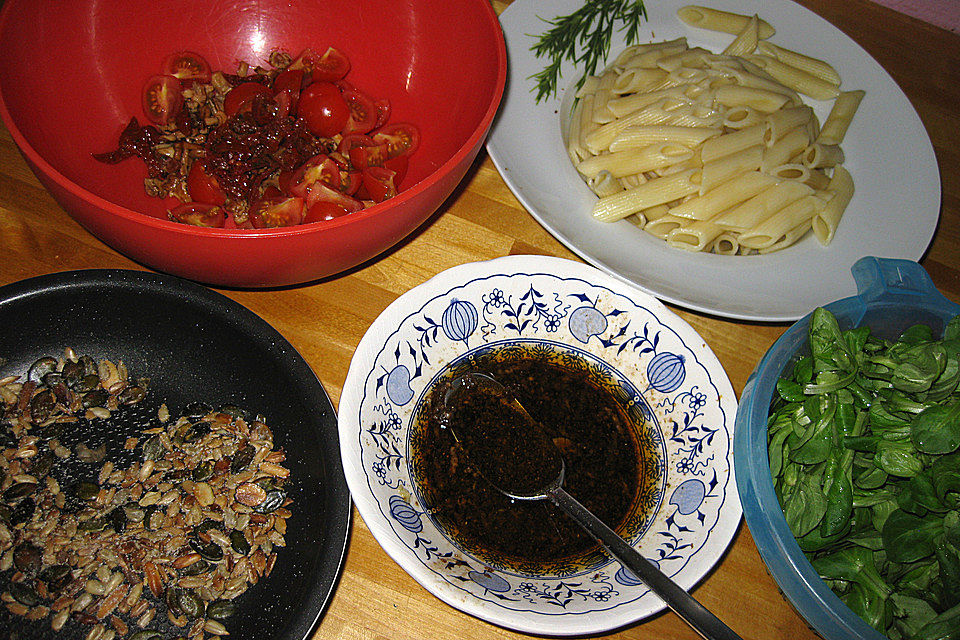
167,542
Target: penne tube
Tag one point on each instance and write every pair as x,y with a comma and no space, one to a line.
755,210
725,168
659,112
838,121
778,123
724,21
774,228
604,184
789,238
637,220
656,212
590,85
841,192
724,196
746,40
693,57
624,56
638,80
791,171
817,180
661,227
649,58
819,155
629,182
575,147
601,113
785,149
622,106
651,193
731,142
694,236
755,98
813,66
798,80
726,244
743,117
638,160
640,136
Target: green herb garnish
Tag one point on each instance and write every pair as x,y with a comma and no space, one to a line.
864,446
584,37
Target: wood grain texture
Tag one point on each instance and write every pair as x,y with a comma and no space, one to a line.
375,599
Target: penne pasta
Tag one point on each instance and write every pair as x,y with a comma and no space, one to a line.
841,114
725,168
778,123
755,210
632,161
725,244
721,198
715,151
797,79
731,142
661,227
774,228
693,236
813,66
841,192
717,20
651,193
640,136
819,155
746,41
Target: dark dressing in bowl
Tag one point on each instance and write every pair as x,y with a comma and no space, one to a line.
589,424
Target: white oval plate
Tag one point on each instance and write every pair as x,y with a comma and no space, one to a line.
559,304
893,213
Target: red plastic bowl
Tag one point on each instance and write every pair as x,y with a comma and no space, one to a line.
73,73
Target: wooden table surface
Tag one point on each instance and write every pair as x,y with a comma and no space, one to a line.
375,598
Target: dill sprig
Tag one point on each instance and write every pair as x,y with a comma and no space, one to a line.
584,37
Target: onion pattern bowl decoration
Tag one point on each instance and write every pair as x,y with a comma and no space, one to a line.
663,374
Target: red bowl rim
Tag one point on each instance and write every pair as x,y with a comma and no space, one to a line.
472,143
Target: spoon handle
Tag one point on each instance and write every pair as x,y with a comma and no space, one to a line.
683,604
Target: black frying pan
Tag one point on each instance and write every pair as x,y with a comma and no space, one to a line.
195,344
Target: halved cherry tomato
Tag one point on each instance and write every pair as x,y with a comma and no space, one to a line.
162,99
319,192
324,211
350,182
332,65
199,214
379,183
269,213
289,81
352,140
383,112
319,168
371,155
398,165
401,138
324,109
204,187
363,112
240,97
187,66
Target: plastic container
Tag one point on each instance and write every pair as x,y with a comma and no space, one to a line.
893,295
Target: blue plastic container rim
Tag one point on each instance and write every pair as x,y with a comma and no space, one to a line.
892,295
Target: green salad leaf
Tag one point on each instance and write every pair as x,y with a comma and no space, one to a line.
864,448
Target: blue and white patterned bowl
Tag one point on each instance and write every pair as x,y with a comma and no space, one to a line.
654,358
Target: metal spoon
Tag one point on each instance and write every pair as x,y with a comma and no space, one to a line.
516,456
